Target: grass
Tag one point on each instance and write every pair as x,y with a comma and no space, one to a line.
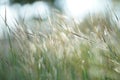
61,49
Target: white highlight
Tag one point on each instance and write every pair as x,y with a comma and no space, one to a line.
10,16
80,8
4,2
41,9
36,10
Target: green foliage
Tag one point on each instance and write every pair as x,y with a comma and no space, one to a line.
28,1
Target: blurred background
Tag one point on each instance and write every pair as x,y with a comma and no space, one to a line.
16,10
74,8
59,40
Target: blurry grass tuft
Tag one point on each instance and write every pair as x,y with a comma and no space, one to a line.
58,48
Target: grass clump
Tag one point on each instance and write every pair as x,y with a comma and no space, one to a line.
58,48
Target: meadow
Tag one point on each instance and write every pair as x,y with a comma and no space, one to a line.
61,48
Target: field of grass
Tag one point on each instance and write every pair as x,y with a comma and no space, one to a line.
59,48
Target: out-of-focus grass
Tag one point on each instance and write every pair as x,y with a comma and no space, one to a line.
62,49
